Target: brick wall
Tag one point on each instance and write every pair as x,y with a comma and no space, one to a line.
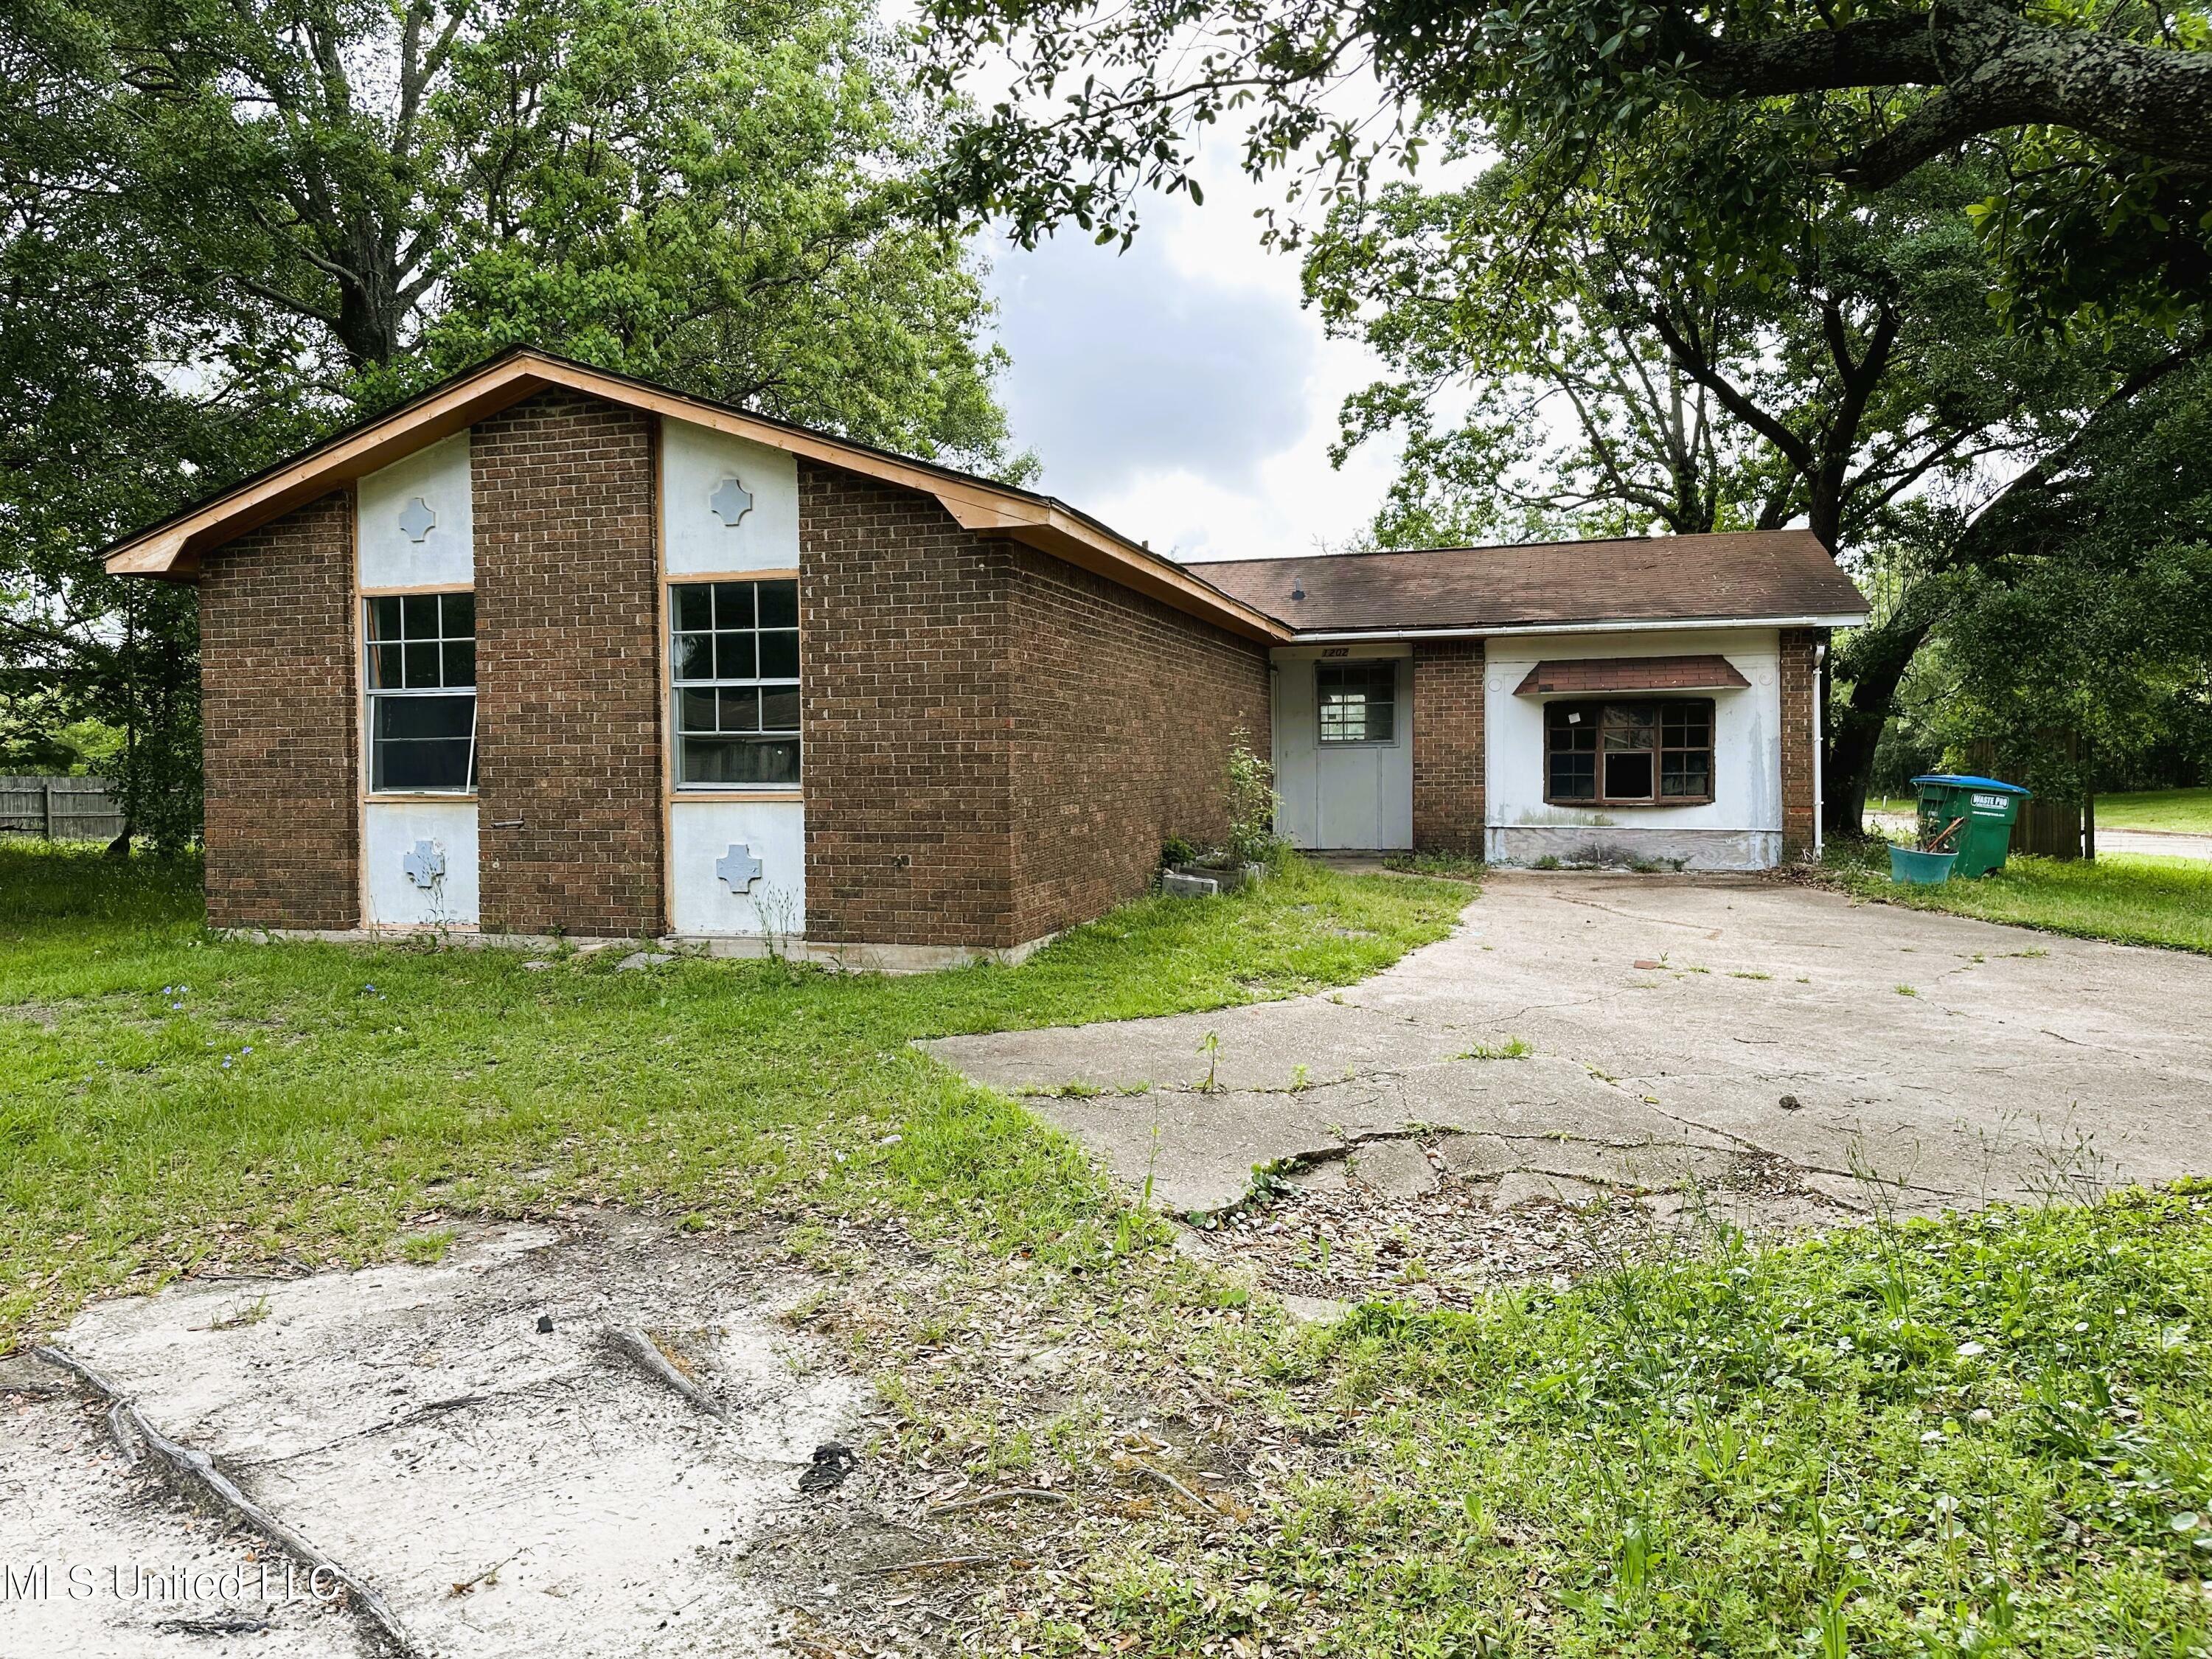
1798,677
568,697
1123,711
905,718
279,723
1448,746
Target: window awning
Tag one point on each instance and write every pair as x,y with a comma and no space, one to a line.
1713,673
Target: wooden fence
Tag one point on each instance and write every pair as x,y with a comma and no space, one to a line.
59,808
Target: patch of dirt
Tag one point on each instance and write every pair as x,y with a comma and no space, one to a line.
469,1440
1326,1235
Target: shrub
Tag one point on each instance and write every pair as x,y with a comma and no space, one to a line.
1249,791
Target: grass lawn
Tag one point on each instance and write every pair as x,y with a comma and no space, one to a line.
1981,1436
1991,1436
2182,811
2186,811
175,1100
2132,899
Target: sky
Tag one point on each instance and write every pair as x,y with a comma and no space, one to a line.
1178,390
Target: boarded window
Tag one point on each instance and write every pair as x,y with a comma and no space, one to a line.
1645,753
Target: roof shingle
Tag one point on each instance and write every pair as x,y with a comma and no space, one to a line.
1730,576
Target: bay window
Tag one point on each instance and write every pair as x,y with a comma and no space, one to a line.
1648,753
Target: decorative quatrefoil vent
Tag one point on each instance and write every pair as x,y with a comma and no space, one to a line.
426,865
417,520
731,501
738,868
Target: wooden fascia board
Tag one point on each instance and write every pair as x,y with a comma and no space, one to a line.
173,551
1073,542
974,505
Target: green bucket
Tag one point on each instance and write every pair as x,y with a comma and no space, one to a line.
1912,868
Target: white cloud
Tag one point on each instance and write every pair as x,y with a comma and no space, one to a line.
1178,390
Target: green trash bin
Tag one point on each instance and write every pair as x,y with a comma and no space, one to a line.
1989,808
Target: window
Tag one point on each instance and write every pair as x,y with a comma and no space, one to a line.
1654,754
735,662
422,692
1359,701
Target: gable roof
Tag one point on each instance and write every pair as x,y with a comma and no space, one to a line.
1771,576
174,548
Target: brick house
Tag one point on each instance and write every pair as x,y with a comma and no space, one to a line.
549,651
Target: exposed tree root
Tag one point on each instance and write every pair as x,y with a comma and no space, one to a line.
990,1499
646,1353
197,1472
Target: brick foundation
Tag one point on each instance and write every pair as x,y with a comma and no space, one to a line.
568,682
1800,672
280,723
1449,802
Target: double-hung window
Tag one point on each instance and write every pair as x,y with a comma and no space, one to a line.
1359,701
734,659
1655,753
421,680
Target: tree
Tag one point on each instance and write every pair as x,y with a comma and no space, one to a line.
2105,106
1621,380
2081,643
105,425
231,225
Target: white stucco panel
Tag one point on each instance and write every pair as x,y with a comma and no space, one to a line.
697,462
389,521
702,901
1747,732
404,845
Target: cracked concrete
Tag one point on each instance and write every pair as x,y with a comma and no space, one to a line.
508,1490
1929,1062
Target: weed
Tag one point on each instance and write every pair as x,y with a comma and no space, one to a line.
245,1314
426,1250
1513,1048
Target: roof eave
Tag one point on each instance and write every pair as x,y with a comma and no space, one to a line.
173,549
1589,625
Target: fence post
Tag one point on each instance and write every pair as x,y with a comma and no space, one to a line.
47,799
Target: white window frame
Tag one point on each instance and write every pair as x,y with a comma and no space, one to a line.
680,683
1371,666
375,694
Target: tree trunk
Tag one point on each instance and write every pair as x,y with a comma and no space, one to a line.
1880,654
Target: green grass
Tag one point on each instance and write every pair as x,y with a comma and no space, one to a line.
1987,1435
2120,897
2186,811
176,1101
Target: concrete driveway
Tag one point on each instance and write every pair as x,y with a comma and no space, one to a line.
1685,1034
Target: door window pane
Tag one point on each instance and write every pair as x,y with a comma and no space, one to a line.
1358,701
